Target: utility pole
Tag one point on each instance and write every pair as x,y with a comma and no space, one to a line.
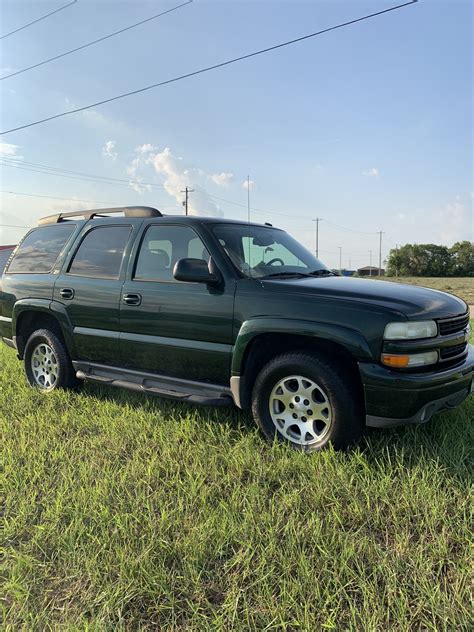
187,191
317,220
248,199
370,269
380,252
340,259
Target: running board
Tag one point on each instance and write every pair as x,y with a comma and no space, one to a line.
160,385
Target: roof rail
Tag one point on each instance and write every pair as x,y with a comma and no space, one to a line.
128,211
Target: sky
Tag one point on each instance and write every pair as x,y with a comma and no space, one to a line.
368,127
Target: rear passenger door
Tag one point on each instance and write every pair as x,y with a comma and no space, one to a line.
89,287
170,327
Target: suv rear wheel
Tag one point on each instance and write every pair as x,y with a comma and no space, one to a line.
47,362
304,400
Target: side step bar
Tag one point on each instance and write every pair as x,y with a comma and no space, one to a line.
152,384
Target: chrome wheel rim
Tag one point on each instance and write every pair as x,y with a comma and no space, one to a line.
300,410
44,366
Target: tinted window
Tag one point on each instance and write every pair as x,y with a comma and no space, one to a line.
4,256
40,249
259,251
100,253
162,247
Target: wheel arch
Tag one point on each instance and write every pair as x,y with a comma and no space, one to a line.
29,315
260,342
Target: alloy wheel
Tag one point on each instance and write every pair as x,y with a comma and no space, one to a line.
300,410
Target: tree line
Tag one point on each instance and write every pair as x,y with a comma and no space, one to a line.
432,260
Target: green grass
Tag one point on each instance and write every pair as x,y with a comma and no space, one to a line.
461,286
123,512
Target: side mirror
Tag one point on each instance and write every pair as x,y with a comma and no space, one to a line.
194,271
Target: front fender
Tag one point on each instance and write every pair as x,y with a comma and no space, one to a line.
348,338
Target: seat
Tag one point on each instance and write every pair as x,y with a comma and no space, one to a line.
154,264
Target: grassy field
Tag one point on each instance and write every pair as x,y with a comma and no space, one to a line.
123,512
461,286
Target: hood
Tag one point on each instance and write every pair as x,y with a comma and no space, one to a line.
411,300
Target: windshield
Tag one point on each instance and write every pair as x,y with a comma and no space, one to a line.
260,251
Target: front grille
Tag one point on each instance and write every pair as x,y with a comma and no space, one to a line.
453,325
452,352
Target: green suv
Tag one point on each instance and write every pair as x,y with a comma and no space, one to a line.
216,312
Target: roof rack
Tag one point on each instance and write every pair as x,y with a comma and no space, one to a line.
128,211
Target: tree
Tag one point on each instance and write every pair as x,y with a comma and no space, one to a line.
432,260
462,258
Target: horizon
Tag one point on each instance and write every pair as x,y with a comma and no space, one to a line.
383,143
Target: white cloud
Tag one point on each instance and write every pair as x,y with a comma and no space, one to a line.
221,179
248,184
145,149
142,156
177,176
10,151
371,173
108,150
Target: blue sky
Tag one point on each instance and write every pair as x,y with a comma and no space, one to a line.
368,127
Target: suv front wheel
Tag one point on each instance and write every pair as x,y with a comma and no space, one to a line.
303,400
47,362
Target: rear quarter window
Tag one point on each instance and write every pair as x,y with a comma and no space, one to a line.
100,252
40,249
4,256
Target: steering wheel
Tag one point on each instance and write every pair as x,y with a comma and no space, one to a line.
275,260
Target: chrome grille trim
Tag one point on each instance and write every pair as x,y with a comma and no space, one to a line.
453,325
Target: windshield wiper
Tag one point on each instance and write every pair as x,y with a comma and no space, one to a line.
284,274
322,272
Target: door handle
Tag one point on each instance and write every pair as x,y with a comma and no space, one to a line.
66,293
132,299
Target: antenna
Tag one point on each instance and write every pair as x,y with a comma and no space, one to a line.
248,210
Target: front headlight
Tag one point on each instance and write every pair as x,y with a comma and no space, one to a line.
411,330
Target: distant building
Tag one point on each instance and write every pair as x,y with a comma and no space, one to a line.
370,271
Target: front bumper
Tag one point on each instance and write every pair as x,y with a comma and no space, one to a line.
393,398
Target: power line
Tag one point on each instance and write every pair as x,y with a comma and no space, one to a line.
96,41
43,17
87,177
208,68
14,226
351,230
54,197
68,173
257,210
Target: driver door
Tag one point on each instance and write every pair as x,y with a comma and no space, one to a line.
171,327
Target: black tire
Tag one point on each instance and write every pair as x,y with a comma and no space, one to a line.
58,366
340,420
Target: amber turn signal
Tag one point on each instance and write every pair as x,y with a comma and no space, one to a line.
401,361
398,361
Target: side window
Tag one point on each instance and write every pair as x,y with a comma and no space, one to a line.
100,252
40,249
197,250
162,247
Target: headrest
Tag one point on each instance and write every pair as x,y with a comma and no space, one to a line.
159,259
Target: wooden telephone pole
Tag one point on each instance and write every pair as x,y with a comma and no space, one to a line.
187,191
